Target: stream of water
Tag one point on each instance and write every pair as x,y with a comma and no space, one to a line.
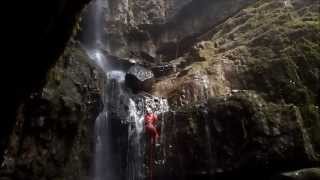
119,133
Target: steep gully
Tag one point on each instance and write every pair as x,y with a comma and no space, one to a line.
190,135
180,162
119,139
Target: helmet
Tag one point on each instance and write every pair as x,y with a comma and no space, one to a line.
149,110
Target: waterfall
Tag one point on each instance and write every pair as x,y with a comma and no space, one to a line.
103,166
136,168
106,163
124,111
119,129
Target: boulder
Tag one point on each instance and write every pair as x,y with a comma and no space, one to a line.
139,78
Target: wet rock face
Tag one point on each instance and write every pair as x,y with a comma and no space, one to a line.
42,39
156,27
270,130
243,91
53,133
236,136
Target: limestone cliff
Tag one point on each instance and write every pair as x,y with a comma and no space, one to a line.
270,48
241,78
153,29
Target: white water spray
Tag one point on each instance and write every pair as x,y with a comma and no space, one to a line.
119,129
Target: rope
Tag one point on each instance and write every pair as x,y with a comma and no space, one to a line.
177,49
151,158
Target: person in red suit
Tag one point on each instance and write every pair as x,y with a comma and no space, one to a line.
150,120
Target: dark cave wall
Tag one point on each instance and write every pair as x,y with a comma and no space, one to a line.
37,33
52,137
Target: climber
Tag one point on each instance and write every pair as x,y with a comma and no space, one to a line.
150,120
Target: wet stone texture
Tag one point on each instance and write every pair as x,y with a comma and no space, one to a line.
53,133
245,99
238,135
242,84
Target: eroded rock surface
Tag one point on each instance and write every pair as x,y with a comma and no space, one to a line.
241,78
158,28
274,54
240,135
52,138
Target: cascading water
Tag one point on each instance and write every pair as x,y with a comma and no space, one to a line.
103,168
120,141
104,160
136,169
119,133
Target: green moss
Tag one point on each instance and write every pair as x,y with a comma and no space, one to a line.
311,116
311,51
310,20
280,80
306,55
289,56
